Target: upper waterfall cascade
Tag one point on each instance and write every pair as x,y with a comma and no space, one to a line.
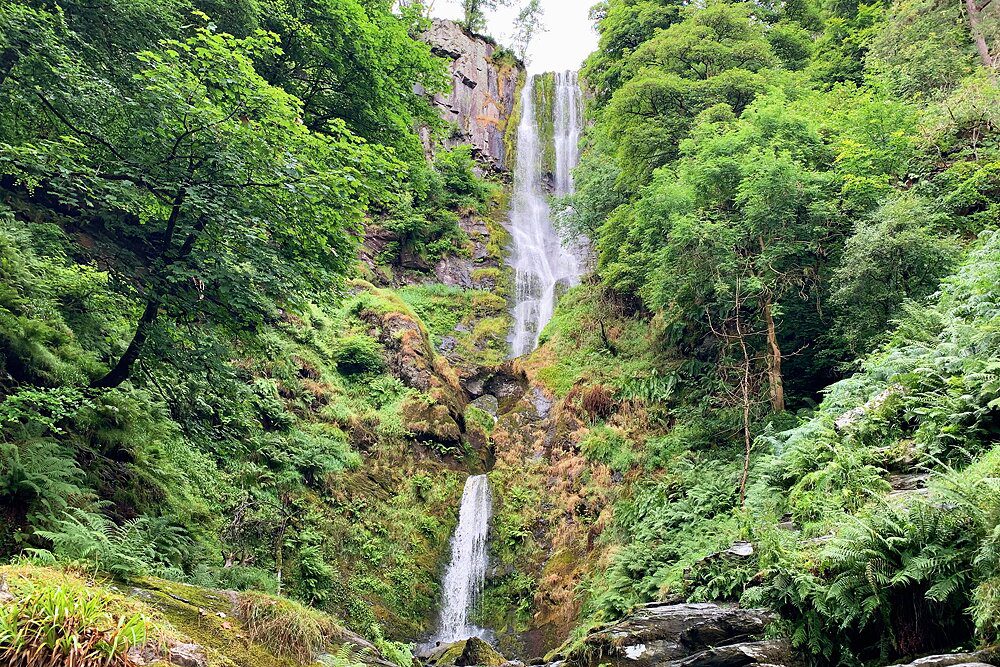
540,260
463,581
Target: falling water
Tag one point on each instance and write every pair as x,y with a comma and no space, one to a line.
540,260
463,581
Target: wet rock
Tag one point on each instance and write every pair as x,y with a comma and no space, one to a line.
443,655
448,344
909,482
455,271
507,385
542,403
979,659
488,404
773,652
684,635
478,652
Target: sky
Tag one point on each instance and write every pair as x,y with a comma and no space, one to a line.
568,39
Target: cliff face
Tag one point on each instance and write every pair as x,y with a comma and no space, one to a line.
483,94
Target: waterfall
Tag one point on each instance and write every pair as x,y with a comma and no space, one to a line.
540,260
463,581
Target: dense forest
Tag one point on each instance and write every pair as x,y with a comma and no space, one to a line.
256,298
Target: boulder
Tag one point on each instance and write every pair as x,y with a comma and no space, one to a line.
443,655
430,421
980,659
471,652
478,652
684,635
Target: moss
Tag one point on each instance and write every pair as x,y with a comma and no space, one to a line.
172,613
572,348
513,122
545,96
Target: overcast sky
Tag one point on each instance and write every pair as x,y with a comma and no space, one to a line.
568,38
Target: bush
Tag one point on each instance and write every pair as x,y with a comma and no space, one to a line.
597,402
608,446
287,628
358,354
67,623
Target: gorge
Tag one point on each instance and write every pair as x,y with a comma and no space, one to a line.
334,335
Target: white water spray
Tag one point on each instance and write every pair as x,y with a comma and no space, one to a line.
463,581
540,260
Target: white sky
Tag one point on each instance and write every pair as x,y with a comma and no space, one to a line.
568,38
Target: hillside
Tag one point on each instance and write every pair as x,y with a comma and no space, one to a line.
717,318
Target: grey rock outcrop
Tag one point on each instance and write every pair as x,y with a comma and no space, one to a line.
685,635
483,91
979,659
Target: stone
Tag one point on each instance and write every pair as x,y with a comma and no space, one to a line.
980,659
482,96
187,655
684,635
478,653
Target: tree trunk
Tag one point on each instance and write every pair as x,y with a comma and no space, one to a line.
123,369
773,361
975,27
8,59
745,395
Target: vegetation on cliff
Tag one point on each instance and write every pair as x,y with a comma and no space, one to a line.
227,422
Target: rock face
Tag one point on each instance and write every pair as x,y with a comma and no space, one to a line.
483,91
685,635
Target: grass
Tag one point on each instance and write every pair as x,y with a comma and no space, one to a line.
286,627
53,617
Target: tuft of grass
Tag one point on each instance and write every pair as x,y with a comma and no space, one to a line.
59,620
285,627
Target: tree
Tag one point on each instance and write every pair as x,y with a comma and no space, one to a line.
475,12
529,23
748,213
974,10
359,62
214,198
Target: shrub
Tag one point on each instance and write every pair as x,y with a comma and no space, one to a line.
67,623
597,402
287,628
608,446
358,354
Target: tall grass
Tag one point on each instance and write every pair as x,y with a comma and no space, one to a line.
67,624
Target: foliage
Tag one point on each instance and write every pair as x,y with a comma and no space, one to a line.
287,628
68,623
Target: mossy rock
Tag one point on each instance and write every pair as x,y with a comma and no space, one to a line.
465,653
478,652
429,420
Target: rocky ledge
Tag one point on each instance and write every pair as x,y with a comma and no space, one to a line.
685,635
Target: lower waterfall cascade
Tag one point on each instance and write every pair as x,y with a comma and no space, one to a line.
466,573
